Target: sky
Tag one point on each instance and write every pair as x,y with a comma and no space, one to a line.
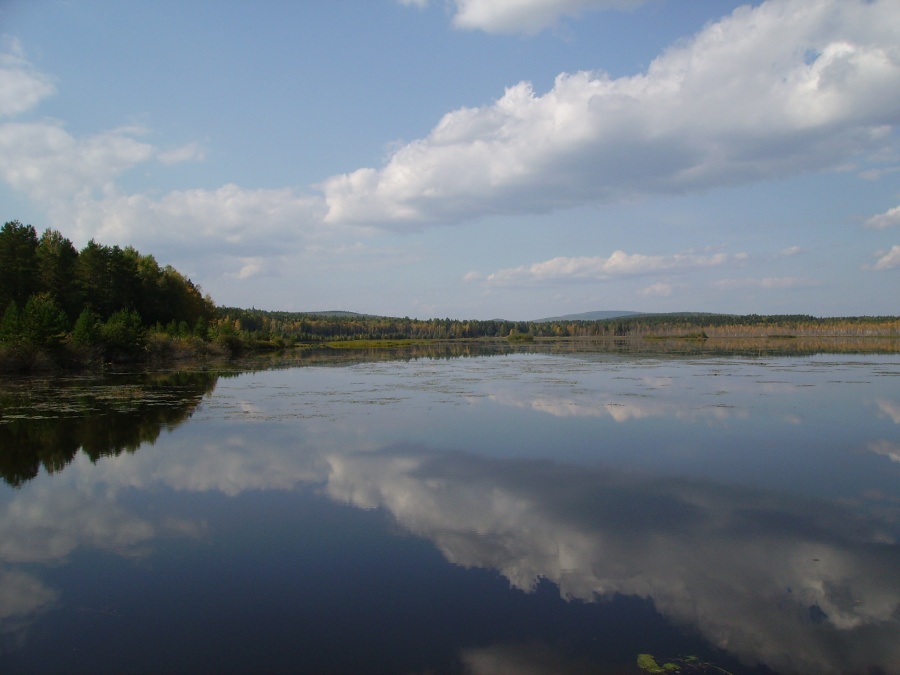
471,159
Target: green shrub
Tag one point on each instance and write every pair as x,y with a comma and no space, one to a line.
87,328
43,323
123,333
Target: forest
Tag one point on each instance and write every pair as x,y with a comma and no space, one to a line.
337,326
102,302
64,307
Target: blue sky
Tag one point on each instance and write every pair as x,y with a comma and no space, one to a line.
469,158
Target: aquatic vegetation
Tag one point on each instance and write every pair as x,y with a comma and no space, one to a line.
678,664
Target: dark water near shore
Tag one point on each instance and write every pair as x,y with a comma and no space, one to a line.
529,512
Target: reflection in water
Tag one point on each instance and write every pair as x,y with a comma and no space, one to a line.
797,583
46,524
619,410
22,598
99,417
891,409
886,448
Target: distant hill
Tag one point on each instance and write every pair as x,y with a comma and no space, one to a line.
338,313
588,316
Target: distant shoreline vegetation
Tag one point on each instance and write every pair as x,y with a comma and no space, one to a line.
64,308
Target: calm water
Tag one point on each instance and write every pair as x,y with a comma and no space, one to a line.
510,513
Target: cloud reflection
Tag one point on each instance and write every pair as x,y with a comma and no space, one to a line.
795,584
619,409
44,524
890,409
46,521
22,598
888,449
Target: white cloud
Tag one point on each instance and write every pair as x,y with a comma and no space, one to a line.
521,16
598,268
659,289
787,87
887,261
74,178
251,267
889,218
525,16
876,174
191,152
768,283
790,251
221,219
21,86
47,163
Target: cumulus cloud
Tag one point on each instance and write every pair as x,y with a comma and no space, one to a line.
597,268
251,267
889,218
784,88
21,86
886,260
47,163
75,178
521,16
223,219
524,16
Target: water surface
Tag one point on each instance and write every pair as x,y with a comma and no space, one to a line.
480,514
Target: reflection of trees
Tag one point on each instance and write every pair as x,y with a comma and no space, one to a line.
46,423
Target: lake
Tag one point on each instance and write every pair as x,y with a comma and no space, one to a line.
489,513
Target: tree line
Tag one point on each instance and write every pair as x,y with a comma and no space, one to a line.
335,326
107,302
101,296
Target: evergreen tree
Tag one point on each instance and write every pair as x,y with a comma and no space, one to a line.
57,260
43,323
10,328
18,264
